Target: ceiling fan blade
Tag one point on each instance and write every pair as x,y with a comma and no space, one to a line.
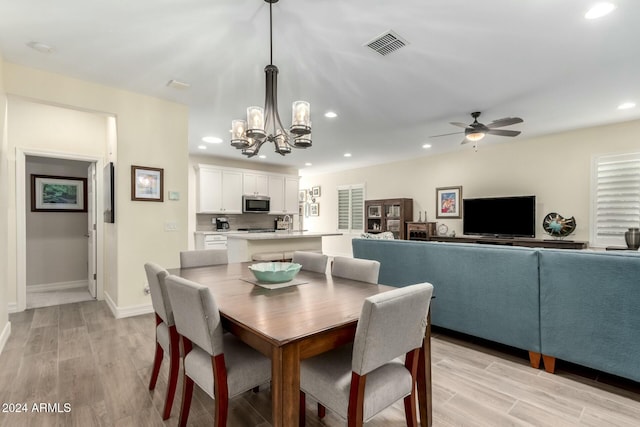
503,132
504,122
465,141
445,134
462,125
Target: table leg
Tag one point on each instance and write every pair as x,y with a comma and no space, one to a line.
285,385
425,395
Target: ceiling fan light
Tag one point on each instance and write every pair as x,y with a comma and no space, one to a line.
475,136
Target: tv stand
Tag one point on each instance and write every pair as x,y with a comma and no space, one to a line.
513,241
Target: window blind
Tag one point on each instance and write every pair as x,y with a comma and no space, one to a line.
351,208
616,197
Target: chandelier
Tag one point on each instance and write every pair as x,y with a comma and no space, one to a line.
264,124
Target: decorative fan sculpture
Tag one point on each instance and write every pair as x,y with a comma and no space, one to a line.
557,226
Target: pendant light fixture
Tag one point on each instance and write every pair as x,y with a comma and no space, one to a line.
264,124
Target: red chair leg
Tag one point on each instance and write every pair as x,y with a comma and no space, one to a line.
174,368
302,420
157,361
410,409
187,394
322,411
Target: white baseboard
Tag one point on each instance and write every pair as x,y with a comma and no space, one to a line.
12,307
58,286
4,336
130,311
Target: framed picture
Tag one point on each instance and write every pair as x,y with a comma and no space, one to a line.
449,202
302,196
147,184
315,191
314,209
375,211
109,213
58,194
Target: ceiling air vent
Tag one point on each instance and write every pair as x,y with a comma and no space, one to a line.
386,43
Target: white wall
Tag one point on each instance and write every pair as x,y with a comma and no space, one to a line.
49,232
150,132
555,168
5,215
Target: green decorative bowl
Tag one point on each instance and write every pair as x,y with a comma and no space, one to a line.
275,272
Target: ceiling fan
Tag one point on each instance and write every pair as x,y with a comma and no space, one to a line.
476,130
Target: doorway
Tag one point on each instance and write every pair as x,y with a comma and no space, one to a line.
58,251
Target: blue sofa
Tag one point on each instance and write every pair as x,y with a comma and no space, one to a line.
575,305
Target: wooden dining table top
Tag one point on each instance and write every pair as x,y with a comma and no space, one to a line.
282,315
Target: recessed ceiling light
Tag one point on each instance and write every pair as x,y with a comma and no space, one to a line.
626,105
308,164
41,47
262,156
347,154
212,139
599,10
202,147
426,146
330,114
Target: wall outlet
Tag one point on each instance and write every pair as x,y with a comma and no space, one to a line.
171,226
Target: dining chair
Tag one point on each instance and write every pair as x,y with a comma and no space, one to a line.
311,261
357,381
203,257
363,270
166,334
219,363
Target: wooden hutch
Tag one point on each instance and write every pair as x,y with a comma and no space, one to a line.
388,215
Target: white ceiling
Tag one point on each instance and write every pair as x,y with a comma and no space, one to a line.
535,59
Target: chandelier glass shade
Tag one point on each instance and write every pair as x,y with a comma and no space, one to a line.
264,125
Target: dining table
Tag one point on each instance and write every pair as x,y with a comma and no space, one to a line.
290,322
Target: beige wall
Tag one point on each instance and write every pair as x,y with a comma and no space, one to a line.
5,215
555,168
150,132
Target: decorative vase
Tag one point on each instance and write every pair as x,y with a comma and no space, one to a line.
632,237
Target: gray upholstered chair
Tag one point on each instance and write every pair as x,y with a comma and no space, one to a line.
360,380
311,261
218,363
203,258
364,270
166,334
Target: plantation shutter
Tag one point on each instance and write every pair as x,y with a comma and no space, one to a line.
351,208
616,198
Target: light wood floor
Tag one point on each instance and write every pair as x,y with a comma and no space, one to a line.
79,354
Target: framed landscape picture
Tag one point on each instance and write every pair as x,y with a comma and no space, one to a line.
58,194
147,184
449,202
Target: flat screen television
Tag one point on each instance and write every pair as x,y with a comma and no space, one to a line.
500,216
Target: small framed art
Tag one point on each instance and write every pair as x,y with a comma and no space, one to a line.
147,184
314,209
58,194
449,202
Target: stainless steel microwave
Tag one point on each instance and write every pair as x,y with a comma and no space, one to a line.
256,204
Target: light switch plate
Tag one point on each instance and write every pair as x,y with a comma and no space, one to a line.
174,195
171,226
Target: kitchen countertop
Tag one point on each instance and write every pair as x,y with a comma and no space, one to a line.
278,235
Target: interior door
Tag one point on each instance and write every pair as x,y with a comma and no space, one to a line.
91,227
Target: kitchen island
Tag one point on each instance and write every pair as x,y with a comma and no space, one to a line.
242,247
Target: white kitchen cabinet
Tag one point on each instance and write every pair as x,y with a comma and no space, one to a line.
219,190
283,191
255,184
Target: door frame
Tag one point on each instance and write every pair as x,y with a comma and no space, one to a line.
21,218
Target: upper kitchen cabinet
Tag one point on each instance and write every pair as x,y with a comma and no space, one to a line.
283,191
255,184
219,190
